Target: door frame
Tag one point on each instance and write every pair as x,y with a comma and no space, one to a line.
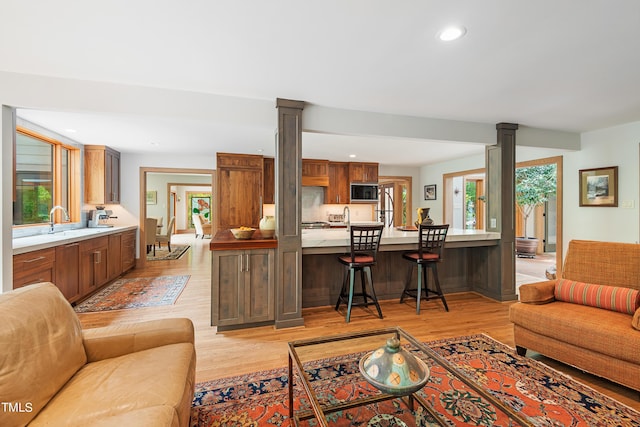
142,260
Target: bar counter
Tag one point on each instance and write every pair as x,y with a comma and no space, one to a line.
466,265
224,241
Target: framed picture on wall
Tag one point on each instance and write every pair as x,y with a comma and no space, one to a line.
152,197
200,204
599,187
430,192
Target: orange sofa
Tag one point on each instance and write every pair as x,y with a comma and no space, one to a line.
56,374
594,339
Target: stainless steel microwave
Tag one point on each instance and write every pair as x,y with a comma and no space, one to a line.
364,193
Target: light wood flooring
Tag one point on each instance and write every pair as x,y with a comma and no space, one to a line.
230,353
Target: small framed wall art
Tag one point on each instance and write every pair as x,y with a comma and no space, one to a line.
599,187
430,192
152,197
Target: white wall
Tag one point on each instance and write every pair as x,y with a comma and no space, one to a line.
433,174
616,146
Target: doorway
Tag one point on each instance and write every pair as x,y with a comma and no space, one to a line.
394,201
169,201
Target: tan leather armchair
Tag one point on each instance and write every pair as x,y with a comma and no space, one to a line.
137,374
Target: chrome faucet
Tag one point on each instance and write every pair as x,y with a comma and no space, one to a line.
346,213
53,209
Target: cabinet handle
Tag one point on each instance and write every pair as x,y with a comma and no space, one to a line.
97,259
248,264
241,263
40,258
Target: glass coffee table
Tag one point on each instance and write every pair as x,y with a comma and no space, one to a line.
336,387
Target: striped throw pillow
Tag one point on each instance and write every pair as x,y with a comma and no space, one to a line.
616,298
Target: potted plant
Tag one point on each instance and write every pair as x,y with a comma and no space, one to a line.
534,186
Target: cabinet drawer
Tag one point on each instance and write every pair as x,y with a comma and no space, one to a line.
34,267
34,261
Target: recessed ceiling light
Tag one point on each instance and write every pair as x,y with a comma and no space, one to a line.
260,150
70,130
352,156
451,33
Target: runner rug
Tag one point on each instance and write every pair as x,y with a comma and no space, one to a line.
135,293
544,395
163,254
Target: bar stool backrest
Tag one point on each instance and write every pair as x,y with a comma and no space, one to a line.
365,239
431,239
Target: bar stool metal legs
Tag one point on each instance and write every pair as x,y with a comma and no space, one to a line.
348,291
431,240
423,286
364,248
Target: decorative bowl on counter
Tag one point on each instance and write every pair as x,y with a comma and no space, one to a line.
243,233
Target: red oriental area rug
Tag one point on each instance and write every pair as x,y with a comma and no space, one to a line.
545,396
135,293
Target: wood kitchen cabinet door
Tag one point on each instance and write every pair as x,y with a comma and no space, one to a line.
338,189
101,175
239,190
242,287
114,264
68,271
315,172
269,187
93,264
363,172
128,250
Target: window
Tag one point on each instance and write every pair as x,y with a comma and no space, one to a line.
46,174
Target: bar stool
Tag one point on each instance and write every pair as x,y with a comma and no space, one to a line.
429,254
365,241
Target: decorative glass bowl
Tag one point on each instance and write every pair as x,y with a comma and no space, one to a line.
394,370
243,233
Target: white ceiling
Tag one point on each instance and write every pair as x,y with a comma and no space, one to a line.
569,65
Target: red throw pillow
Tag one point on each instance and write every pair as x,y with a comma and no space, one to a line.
616,298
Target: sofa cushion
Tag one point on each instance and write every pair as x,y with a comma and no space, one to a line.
635,322
602,331
616,298
41,342
111,388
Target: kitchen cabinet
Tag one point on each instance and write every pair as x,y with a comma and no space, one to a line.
93,264
242,287
338,189
269,176
128,251
239,190
78,268
114,263
363,172
315,172
68,271
34,267
101,175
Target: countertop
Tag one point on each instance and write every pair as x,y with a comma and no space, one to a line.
339,237
224,241
43,241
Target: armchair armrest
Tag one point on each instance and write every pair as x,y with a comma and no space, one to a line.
117,340
538,293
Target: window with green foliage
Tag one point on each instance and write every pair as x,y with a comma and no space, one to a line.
43,178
